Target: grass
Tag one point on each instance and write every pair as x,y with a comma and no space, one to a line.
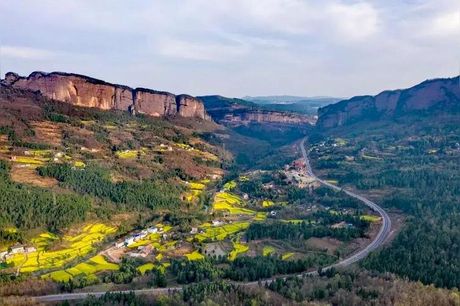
243,178
294,221
287,256
89,268
238,248
268,250
230,185
195,255
195,192
260,216
196,186
145,267
30,160
79,164
40,153
71,248
221,232
130,154
267,203
230,203
370,218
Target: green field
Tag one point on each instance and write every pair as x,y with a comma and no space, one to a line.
268,250
72,247
195,255
89,268
231,203
238,248
221,232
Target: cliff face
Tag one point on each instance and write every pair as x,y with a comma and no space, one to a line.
88,92
240,112
429,96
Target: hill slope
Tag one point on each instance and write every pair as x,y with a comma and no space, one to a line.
429,97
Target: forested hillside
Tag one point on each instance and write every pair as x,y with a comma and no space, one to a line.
411,166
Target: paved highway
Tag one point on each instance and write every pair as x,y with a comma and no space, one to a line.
386,221
378,241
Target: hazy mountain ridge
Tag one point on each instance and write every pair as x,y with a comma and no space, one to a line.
429,97
233,111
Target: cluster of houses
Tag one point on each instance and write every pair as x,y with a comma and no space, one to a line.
138,236
16,249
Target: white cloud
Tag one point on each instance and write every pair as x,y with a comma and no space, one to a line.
201,51
341,47
26,53
445,24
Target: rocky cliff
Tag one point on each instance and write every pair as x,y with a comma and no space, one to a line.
432,96
89,92
241,112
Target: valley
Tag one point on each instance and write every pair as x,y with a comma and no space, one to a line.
96,201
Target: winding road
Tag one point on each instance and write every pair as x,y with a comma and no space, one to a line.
386,221
377,242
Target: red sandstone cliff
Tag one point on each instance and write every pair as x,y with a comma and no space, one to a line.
438,95
88,92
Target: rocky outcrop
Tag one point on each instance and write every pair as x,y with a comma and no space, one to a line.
154,103
236,112
431,96
89,92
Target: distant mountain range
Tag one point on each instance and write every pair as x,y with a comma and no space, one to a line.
429,98
285,99
233,111
303,105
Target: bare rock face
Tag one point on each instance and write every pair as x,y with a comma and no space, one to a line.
430,96
84,91
155,103
188,106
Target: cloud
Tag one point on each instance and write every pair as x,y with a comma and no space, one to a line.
26,53
237,47
201,50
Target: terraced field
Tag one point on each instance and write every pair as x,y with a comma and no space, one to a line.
88,268
238,248
217,233
71,247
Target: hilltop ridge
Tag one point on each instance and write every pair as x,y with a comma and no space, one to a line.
86,91
430,96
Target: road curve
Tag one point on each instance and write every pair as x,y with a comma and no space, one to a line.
377,242
386,221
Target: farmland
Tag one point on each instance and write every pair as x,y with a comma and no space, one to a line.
88,268
217,233
72,247
238,248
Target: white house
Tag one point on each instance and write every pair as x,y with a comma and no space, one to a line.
129,240
30,249
217,222
17,249
120,244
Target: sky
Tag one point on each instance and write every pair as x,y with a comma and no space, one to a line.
236,48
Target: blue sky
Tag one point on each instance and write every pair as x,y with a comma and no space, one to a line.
236,47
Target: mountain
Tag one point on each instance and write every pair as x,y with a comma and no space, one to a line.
235,112
427,98
80,90
290,99
294,104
